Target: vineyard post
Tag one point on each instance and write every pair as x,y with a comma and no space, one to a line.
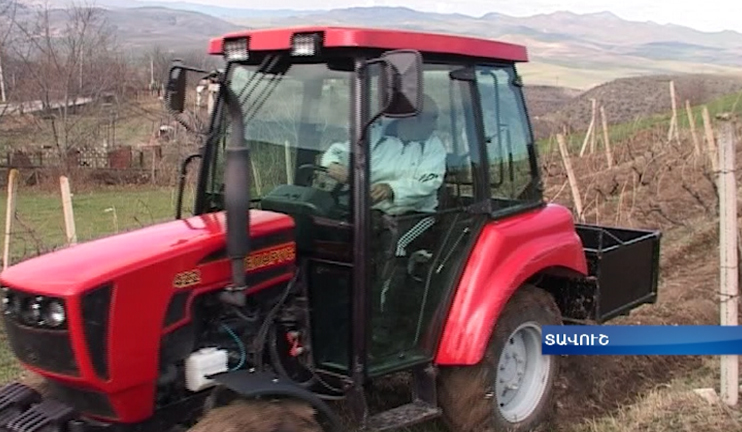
608,153
710,140
590,135
692,122
594,116
10,207
728,306
673,131
571,176
69,216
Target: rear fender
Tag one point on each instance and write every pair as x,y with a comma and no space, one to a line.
253,385
506,255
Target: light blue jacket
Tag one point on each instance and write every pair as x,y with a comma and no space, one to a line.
414,172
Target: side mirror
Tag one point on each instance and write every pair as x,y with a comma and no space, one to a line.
176,89
402,83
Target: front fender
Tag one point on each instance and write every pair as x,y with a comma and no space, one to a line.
253,385
506,255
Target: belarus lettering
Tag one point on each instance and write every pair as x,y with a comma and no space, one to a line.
270,257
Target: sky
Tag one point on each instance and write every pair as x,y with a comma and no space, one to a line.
714,15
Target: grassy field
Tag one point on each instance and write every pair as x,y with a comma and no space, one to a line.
130,123
39,225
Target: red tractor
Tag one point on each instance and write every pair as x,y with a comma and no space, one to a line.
309,271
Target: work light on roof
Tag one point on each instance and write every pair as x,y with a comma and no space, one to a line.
236,49
306,44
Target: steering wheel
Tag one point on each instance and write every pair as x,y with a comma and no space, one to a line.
336,191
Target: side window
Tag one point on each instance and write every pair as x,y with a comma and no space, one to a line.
507,136
329,112
452,125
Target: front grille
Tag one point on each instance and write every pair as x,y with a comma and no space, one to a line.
96,306
50,350
85,401
176,309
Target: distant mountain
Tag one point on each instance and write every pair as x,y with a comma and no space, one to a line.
144,27
566,49
217,11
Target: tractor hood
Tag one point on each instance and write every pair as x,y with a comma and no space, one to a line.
175,246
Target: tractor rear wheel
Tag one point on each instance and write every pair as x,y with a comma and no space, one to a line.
259,416
512,388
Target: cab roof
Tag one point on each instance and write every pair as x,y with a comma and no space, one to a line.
276,39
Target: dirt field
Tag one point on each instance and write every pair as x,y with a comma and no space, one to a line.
653,185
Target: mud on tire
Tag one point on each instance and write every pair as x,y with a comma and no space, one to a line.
468,395
259,416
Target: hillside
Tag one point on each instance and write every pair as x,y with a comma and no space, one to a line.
543,99
628,100
138,29
145,26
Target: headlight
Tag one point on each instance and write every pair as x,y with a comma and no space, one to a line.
9,301
236,49
31,311
34,310
54,314
306,44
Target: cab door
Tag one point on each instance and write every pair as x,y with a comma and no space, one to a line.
417,256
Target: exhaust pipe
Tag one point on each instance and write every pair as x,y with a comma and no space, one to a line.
237,200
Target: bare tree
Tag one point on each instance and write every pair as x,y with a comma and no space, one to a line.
7,17
69,64
158,60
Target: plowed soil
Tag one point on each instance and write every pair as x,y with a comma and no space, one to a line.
259,416
653,185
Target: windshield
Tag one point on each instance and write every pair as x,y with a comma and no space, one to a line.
292,114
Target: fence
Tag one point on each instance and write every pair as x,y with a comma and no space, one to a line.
156,163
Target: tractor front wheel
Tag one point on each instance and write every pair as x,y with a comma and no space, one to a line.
259,416
512,388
